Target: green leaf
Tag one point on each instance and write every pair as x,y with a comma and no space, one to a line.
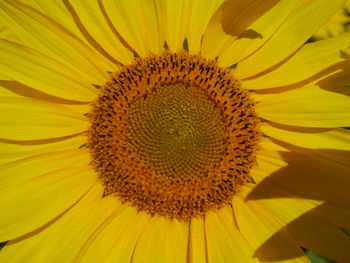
315,258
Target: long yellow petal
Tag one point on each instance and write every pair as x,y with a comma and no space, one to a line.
197,249
260,229
14,150
89,24
229,21
266,165
310,106
163,240
136,22
253,231
307,62
314,138
285,210
300,174
201,12
27,119
40,32
224,241
56,10
7,33
42,73
115,240
257,33
27,169
308,227
63,239
92,24
29,204
3,91
297,28
174,16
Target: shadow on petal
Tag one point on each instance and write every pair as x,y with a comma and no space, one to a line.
323,175
26,91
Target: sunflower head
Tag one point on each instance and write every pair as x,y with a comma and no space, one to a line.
116,145
174,135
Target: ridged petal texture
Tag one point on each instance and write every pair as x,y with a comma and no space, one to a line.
55,56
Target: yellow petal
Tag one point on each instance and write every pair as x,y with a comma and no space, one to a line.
229,21
15,89
40,32
3,91
15,150
169,235
224,241
265,167
201,12
301,174
57,11
136,22
260,228
322,237
314,138
27,119
307,62
173,21
310,106
197,250
27,169
116,239
310,230
87,26
285,210
63,239
28,205
267,146
92,23
257,33
83,109
253,231
42,73
296,29
7,33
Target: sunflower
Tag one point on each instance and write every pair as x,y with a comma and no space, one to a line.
173,131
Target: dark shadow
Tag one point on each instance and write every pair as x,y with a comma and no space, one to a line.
43,141
334,82
93,42
26,91
324,180
295,181
247,16
2,245
112,28
343,65
309,230
251,34
337,81
344,55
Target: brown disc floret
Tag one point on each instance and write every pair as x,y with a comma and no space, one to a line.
173,135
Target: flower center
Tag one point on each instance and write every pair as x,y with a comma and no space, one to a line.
177,131
173,135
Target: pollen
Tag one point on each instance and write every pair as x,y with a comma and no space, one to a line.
174,135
